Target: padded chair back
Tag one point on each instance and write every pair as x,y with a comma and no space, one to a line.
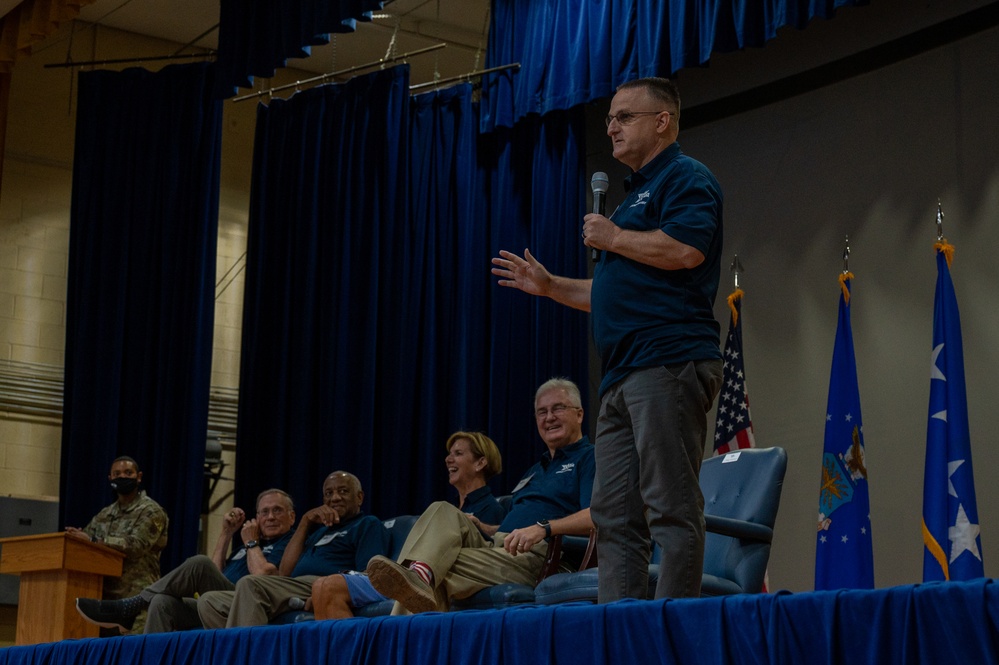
741,495
398,528
744,485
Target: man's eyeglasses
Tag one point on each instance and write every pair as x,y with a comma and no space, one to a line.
276,512
556,410
626,117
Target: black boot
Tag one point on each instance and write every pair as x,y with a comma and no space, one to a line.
118,614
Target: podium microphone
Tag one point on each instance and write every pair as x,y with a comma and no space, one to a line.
599,183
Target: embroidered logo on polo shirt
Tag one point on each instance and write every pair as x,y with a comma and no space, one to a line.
642,199
566,468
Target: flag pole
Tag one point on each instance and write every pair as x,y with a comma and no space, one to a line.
846,275
737,270
952,547
736,295
733,423
844,554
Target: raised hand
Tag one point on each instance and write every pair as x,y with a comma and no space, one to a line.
526,273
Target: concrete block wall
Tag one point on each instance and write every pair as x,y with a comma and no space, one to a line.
35,201
34,252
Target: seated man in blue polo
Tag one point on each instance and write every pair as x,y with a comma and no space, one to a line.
332,538
170,599
447,557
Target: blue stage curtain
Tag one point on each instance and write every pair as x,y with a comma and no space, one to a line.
537,198
575,51
320,314
372,325
444,297
255,38
484,349
944,622
140,302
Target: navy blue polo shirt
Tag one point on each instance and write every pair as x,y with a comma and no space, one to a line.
484,506
644,316
342,547
554,487
273,550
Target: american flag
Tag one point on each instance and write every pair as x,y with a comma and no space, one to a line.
733,426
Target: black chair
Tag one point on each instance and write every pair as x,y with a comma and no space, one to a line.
741,497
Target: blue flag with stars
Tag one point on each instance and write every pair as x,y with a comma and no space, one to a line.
844,556
952,548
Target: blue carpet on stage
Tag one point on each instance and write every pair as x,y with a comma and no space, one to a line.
952,622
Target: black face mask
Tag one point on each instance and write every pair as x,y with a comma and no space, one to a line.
124,485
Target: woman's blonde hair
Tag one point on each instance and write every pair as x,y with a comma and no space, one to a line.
481,446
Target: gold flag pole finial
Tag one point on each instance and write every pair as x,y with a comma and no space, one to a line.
846,275
736,268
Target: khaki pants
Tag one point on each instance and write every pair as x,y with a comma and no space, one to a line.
256,600
464,561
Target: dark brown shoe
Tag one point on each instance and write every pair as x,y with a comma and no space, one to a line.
402,584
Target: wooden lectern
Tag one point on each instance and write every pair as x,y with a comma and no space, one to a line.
55,570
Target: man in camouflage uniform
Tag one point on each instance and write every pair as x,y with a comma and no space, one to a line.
170,601
135,525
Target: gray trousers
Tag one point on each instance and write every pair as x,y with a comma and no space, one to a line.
650,442
255,601
464,561
171,598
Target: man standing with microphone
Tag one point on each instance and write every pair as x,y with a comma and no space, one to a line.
651,300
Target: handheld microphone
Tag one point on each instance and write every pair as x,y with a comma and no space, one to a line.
599,183
296,604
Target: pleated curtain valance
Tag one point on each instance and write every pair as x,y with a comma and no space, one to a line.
576,51
255,38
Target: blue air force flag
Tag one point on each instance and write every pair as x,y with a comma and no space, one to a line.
844,557
952,544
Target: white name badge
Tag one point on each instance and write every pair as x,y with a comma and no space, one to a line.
522,484
325,540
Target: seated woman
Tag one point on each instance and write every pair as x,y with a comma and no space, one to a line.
472,460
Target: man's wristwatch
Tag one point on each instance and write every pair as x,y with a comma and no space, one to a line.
547,527
251,544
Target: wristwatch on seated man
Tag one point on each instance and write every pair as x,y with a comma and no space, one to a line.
544,524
